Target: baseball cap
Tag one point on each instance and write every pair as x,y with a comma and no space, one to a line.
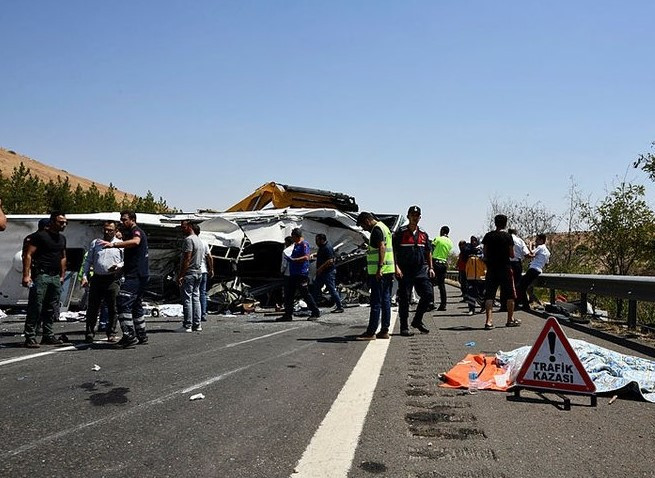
414,209
43,223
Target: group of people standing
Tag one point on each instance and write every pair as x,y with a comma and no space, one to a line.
120,275
116,272
419,264
499,261
407,256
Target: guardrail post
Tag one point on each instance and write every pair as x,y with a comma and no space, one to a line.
552,296
583,304
619,308
632,314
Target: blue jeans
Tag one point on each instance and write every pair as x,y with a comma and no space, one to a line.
191,299
329,280
380,303
203,296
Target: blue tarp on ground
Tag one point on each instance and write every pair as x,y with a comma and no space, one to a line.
610,371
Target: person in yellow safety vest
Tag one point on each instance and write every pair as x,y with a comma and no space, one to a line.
381,268
441,247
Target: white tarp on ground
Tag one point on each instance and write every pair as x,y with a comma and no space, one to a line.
609,370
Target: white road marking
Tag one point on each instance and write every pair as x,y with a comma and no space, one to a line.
37,355
142,406
331,451
83,346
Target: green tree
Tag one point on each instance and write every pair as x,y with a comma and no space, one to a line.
646,162
24,193
109,202
621,228
59,195
93,199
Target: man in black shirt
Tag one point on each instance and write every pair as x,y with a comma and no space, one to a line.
326,272
498,249
44,268
129,304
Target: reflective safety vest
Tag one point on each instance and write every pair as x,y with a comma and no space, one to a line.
372,254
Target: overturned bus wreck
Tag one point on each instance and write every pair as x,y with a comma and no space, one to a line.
247,251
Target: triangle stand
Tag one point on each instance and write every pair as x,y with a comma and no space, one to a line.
553,366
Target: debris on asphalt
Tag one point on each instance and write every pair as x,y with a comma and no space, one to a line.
197,396
470,344
95,367
613,399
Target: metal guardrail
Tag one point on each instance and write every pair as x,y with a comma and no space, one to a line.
630,288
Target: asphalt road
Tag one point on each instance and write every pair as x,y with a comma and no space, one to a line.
268,386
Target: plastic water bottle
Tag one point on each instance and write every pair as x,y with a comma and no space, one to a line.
474,384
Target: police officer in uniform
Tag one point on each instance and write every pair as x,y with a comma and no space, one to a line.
413,256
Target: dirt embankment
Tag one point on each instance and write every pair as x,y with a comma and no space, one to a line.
10,160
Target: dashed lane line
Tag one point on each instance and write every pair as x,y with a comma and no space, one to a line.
83,346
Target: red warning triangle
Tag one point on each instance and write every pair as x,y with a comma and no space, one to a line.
552,364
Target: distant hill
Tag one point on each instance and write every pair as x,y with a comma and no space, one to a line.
10,160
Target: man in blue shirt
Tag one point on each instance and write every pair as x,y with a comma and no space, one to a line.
326,272
298,278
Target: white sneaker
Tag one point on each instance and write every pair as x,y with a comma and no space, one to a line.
197,329
183,329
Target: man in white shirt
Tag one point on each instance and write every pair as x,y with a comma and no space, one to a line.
206,271
540,257
103,284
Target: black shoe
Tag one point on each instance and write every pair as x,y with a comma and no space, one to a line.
406,333
31,344
284,318
142,340
130,341
365,337
126,341
337,310
51,340
442,308
421,328
316,315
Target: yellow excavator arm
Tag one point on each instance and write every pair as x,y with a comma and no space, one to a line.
283,195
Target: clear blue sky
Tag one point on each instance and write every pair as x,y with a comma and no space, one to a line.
444,104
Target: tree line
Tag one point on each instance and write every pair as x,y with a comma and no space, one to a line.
24,193
614,235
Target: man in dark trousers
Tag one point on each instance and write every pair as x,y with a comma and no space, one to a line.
298,278
441,247
380,268
129,304
104,282
326,272
498,247
44,269
413,256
